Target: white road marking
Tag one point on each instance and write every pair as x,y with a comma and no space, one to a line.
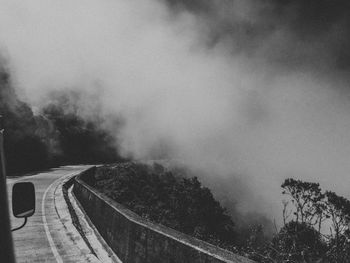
47,231
45,197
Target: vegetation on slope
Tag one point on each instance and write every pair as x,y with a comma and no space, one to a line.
170,198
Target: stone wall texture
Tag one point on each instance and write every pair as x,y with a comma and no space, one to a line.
134,239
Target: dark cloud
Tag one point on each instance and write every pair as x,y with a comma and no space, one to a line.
314,17
314,33
314,21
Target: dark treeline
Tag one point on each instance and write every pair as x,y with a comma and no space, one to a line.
53,137
78,141
316,224
25,145
166,197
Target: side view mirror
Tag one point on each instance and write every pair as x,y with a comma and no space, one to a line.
23,201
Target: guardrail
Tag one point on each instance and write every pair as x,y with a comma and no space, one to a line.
135,239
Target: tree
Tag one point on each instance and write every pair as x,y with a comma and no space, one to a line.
307,200
311,208
338,210
298,242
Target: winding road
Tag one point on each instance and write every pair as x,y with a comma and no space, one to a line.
46,237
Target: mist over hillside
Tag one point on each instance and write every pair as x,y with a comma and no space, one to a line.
55,136
245,93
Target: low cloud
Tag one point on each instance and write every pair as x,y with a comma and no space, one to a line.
246,93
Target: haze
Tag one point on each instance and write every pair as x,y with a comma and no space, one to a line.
244,108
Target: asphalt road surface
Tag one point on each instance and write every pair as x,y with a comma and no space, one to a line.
45,238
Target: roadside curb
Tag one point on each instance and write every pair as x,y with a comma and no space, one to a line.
100,251
64,214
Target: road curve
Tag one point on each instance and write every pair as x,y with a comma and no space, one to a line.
45,238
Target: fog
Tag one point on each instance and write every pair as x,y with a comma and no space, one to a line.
247,93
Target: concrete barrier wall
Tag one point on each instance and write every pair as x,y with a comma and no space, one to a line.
134,239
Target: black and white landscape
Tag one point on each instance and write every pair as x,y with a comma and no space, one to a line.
249,99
